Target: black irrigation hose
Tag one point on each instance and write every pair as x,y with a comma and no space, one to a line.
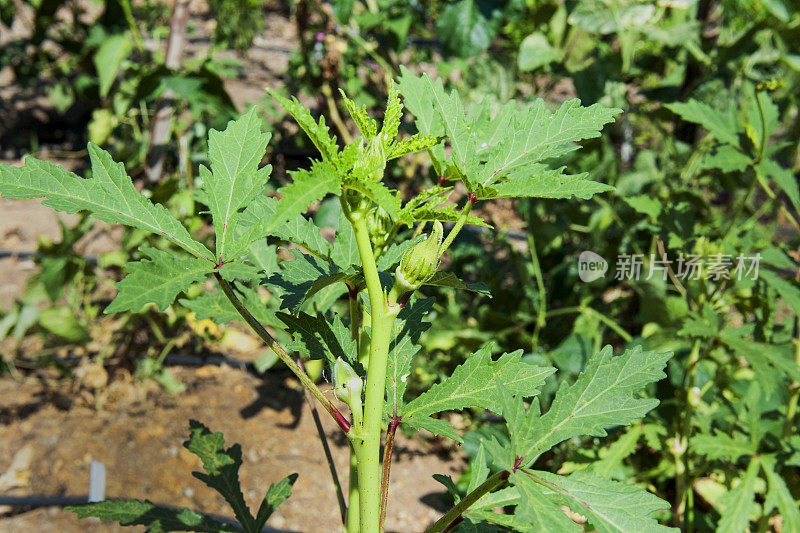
92,259
178,360
64,501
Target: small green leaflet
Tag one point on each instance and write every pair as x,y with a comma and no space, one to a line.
298,230
462,138
320,338
307,187
503,156
306,275
109,195
445,213
391,119
448,279
722,446
344,252
417,99
276,494
609,506
537,135
217,307
221,467
415,143
366,124
723,125
727,158
784,178
109,57
764,359
264,257
604,395
212,306
541,182
537,510
158,280
739,503
378,193
779,497
156,518
472,384
234,179
613,456
318,132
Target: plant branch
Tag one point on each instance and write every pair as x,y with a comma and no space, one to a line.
468,501
541,315
583,310
270,341
462,219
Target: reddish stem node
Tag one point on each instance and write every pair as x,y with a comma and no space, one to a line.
403,300
352,292
472,198
342,421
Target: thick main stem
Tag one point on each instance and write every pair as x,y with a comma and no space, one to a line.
281,353
367,447
351,523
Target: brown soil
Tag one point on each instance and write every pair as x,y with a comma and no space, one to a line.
138,433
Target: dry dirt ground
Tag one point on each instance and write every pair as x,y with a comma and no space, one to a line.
50,432
138,436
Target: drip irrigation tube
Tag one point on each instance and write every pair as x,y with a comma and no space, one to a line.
64,501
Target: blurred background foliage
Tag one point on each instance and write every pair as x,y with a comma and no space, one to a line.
704,162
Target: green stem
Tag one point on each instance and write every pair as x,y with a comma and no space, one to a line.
367,444
353,513
468,501
791,408
608,321
683,483
137,35
765,186
763,143
541,315
270,341
462,218
351,522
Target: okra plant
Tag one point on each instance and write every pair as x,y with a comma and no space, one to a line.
502,152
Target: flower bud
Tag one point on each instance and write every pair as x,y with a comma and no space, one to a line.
421,261
372,158
347,384
380,226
